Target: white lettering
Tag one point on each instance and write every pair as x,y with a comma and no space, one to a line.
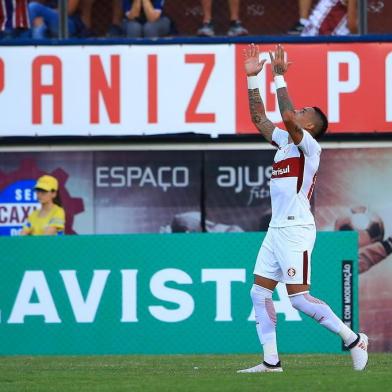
133,173
129,296
180,171
185,301
240,176
337,86
223,278
34,281
161,171
388,88
162,177
116,174
281,171
25,195
148,178
228,179
85,310
102,175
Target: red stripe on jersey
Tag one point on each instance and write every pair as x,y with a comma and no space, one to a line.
305,267
24,17
301,169
311,189
289,167
17,14
333,18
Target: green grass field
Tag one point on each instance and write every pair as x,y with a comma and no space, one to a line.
191,373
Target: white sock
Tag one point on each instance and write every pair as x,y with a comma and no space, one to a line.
323,314
348,335
265,322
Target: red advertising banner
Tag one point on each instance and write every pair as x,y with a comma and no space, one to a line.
152,90
352,83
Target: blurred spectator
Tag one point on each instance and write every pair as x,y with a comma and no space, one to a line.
304,7
139,18
14,21
328,17
44,18
207,29
116,30
49,219
332,17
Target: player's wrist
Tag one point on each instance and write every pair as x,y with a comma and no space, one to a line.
279,81
252,82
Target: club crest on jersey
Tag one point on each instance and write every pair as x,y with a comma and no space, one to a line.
291,272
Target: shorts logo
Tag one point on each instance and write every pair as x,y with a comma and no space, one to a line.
291,272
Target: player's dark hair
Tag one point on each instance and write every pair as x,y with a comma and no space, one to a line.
323,125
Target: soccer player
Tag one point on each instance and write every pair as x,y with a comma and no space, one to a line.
285,253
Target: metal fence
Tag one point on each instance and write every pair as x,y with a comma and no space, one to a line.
260,17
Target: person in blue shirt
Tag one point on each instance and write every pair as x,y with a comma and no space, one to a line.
44,18
141,18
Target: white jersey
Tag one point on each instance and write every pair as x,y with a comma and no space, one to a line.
293,179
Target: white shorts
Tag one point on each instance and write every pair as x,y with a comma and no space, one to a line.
285,254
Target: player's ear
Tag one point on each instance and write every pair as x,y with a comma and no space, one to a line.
310,126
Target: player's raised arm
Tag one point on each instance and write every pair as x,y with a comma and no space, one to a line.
279,68
253,66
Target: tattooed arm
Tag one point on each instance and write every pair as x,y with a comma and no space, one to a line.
257,112
253,66
279,67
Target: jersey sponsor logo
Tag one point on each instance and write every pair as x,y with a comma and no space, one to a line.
279,172
286,168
